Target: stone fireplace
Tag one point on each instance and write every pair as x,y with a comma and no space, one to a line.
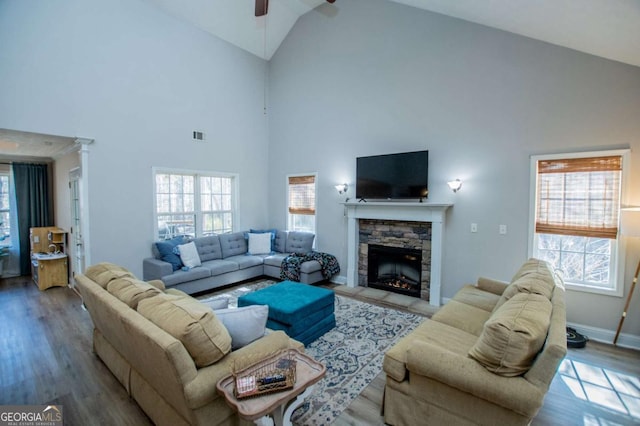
395,256
430,216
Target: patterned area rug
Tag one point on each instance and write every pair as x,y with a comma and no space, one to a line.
352,352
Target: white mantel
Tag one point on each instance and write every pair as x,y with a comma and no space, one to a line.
411,211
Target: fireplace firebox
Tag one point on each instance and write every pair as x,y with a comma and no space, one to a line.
395,269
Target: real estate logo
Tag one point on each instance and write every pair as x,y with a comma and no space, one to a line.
31,415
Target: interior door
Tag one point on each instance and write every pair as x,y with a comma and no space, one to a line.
76,245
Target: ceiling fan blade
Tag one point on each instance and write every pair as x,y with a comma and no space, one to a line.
262,7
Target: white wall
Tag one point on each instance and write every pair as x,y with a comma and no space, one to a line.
379,77
138,82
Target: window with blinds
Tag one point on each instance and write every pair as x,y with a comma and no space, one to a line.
301,202
579,196
576,215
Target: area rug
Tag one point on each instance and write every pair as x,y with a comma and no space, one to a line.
352,352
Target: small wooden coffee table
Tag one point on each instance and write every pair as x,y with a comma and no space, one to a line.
280,405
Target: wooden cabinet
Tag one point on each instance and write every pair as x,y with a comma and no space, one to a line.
49,261
50,272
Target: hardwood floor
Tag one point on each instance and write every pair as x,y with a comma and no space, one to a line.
46,358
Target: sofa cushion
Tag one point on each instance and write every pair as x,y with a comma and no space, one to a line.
189,255
232,244
181,276
167,253
220,266
310,266
439,334
245,324
208,247
194,324
472,295
280,242
462,316
131,290
514,335
299,242
245,261
103,273
259,243
535,277
275,259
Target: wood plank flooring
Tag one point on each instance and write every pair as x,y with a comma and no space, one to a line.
46,358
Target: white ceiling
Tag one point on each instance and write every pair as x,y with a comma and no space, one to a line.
606,28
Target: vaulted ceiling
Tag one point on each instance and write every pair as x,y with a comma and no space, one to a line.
606,28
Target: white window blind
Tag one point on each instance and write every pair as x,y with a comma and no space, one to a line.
579,196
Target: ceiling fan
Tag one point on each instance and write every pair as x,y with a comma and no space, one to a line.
262,6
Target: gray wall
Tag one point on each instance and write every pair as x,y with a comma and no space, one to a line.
379,77
137,82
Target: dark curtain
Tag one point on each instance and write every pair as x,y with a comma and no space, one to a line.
34,205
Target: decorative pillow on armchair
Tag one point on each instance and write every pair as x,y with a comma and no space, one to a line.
194,324
244,324
513,335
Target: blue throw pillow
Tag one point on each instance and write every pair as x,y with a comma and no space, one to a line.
167,253
264,231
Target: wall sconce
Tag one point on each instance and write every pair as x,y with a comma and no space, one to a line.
455,185
342,188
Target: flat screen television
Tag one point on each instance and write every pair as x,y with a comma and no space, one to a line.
393,176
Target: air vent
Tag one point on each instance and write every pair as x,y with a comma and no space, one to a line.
198,136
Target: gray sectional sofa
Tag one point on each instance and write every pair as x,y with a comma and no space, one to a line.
225,261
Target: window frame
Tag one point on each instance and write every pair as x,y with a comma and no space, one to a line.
197,204
617,260
289,215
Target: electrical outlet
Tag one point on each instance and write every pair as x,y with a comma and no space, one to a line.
474,227
36,239
503,229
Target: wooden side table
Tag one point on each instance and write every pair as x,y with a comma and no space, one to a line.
280,405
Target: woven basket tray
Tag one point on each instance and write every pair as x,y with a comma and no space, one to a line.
274,374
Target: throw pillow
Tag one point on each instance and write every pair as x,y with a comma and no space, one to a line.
194,324
513,335
131,291
267,231
189,255
216,303
167,254
259,244
244,324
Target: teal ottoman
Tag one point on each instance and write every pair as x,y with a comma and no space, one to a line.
302,311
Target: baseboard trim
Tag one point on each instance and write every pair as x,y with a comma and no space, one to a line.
602,335
339,279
